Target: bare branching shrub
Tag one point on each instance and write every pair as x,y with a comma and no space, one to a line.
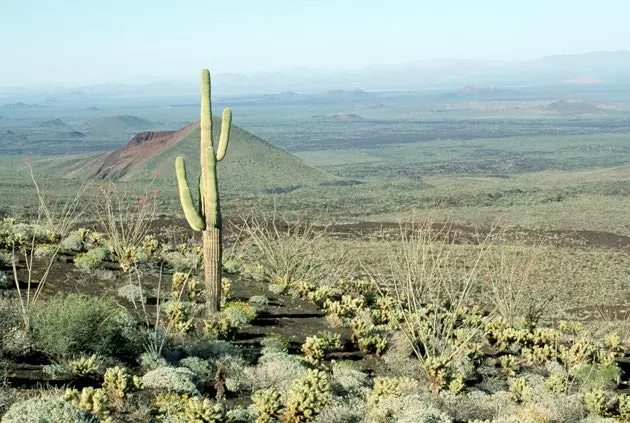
507,274
292,251
430,289
125,220
58,218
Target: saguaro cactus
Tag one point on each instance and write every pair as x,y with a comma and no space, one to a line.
207,217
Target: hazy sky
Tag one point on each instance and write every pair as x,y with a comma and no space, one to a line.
77,42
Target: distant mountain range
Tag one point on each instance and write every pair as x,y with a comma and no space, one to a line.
605,67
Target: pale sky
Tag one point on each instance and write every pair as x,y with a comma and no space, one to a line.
74,42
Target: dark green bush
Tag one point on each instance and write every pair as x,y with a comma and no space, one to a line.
75,324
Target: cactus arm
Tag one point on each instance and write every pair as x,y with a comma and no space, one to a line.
226,125
185,196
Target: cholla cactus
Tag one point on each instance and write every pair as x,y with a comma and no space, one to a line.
509,365
197,410
220,326
316,347
556,383
84,366
118,382
390,387
520,389
597,401
322,293
89,399
207,217
267,403
307,396
623,407
179,315
150,245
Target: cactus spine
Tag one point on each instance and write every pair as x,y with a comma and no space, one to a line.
207,217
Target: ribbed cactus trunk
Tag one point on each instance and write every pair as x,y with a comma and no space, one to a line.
212,267
208,217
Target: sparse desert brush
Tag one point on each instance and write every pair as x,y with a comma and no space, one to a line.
212,349
171,379
150,361
204,369
347,380
407,409
91,259
274,370
133,293
75,323
259,302
5,281
46,410
239,312
291,251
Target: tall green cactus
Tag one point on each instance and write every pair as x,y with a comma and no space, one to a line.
207,217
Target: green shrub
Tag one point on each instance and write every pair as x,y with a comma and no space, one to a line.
133,293
151,361
259,302
75,324
171,379
5,281
204,369
46,410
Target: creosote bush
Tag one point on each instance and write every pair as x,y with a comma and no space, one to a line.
46,410
67,325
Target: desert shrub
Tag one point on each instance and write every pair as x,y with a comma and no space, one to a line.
276,288
204,369
72,242
343,411
46,410
181,261
151,361
45,250
5,281
7,397
347,380
408,409
259,302
133,293
56,371
212,349
67,325
14,340
274,344
275,370
171,379
239,313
